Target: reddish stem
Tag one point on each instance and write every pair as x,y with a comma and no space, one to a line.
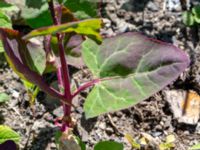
64,67
59,76
85,86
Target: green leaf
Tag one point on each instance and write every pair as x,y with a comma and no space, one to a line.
196,12
195,147
1,47
188,18
108,145
131,68
89,27
35,14
4,97
61,1
57,136
83,9
6,23
6,133
32,90
36,56
8,9
80,143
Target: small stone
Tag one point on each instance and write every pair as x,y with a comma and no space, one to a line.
115,119
107,33
185,105
102,125
156,134
15,94
58,111
152,6
198,128
109,130
53,146
107,23
13,103
173,5
122,27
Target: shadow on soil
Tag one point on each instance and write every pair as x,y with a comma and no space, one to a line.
88,124
44,137
135,5
2,119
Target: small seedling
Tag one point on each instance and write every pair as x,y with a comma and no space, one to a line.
192,17
146,140
195,147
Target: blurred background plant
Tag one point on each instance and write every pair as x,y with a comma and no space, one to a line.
192,17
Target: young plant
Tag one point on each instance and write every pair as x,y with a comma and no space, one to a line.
147,140
191,18
127,68
195,147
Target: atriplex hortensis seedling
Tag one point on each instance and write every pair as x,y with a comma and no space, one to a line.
127,68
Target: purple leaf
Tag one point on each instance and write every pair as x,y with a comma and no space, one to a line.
8,145
15,48
131,67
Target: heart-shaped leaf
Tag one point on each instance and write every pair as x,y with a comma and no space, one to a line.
131,68
6,133
89,27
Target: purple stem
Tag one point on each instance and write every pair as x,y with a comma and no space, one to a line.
85,86
59,76
64,73
89,84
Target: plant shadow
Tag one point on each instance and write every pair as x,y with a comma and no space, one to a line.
135,5
2,119
33,4
88,124
43,139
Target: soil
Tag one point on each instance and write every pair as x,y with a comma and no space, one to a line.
152,116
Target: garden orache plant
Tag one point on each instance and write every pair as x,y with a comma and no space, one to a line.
128,68
192,17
